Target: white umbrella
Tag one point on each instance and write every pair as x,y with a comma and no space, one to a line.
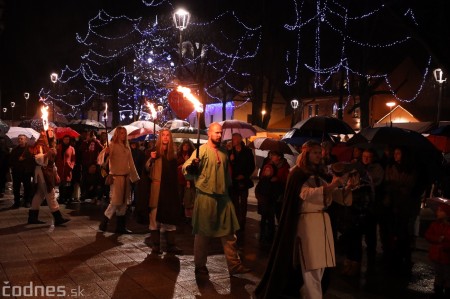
14,132
236,126
176,123
129,129
146,124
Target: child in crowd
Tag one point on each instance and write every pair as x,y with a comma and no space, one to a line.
438,234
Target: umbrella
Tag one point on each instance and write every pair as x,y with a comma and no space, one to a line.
442,143
324,124
67,131
270,144
441,131
434,202
14,132
35,124
85,125
129,129
236,126
4,127
298,137
176,123
179,134
145,124
6,140
392,136
139,132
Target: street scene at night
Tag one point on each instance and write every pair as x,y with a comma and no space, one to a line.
224,149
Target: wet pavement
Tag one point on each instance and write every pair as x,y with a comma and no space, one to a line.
78,261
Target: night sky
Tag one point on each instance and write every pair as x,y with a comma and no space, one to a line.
39,36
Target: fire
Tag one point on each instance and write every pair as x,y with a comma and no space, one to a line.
152,111
191,98
44,117
105,114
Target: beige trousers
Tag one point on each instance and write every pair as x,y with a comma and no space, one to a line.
41,193
229,248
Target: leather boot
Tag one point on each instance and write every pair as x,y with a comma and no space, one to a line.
33,217
59,220
104,224
171,247
120,228
155,238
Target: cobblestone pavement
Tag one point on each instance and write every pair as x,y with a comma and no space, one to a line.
78,261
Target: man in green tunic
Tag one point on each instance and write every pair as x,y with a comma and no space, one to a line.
213,215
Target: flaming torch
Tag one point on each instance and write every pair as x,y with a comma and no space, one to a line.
154,114
44,111
198,107
105,119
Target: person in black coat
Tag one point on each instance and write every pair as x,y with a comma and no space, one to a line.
22,165
242,166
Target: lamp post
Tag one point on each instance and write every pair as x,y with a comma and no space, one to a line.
294,105
13,104
26,95
54,79
439,77
181,19
4,112
390,105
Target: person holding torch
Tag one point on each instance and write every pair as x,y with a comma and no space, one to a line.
45,175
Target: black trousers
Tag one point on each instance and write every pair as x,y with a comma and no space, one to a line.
24,178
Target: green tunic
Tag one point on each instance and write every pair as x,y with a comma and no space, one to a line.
213,214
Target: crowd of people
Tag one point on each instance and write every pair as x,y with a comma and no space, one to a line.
308,211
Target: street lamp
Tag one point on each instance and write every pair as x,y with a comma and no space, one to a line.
26,95
181,19
439,77
13,104
390,105
294,105
54,79
4,112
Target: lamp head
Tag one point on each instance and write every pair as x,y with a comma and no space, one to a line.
181,18
439,76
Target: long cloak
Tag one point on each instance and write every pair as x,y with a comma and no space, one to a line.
282,278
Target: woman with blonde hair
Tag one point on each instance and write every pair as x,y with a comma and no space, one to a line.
123,172
307,247
164,203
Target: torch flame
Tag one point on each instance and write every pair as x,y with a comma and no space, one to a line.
152,111
44,117
105,114
191,98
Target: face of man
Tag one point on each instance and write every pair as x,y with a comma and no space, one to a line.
66,140
22,140
367,158
315,155
215,134
165,137
236,140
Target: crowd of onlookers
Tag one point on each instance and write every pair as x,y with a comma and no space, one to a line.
388,190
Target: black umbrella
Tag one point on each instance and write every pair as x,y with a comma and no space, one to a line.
299,136
393,136
4,127
324,124
35,124
426,155
270,144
